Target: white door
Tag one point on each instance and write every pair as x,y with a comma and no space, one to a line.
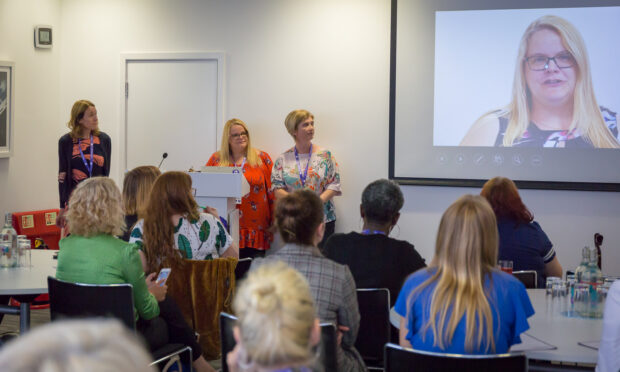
173,106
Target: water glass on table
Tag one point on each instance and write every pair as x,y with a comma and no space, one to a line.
589,299
506,266
549,283
24,251
559,288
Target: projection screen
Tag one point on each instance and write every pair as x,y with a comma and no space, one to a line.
522,89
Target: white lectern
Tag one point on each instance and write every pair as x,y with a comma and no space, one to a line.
221,188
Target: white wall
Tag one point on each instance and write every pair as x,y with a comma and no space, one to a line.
329,56
28,178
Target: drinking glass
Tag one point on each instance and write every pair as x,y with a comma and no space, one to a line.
549,283
559,288
589,299
23,247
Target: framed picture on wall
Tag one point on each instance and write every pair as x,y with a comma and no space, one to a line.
7,75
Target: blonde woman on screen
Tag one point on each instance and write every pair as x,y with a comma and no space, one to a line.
461,303
553,102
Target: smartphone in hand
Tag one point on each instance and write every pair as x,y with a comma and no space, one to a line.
163,274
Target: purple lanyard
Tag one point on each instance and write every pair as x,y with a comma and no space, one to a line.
89,169
369,232
242,165
302,177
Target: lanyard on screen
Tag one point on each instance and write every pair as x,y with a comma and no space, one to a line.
303,176
88,168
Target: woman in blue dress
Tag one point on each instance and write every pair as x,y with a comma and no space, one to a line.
461,303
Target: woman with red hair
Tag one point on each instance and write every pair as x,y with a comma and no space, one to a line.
521,239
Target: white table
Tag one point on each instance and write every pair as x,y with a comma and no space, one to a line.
25,283
551,326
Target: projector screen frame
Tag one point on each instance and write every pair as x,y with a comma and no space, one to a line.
477,183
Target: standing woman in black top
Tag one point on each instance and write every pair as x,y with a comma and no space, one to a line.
84,152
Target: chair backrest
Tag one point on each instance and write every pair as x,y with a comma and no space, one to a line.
374,330
243,265
77,300
529,278
328,356
227,322
398,359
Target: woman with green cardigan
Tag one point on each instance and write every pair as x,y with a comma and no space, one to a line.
92,254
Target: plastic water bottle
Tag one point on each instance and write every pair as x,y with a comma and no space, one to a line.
585,260
8,243
594,277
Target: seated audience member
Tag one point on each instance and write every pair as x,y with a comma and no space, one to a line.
375,259
461,303
174,228
609,350
521,239
137,187
75,346
92,254
277,324
299,218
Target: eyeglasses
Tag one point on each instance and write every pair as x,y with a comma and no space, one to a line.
541,63
239,135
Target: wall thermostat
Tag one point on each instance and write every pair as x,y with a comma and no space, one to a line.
43,36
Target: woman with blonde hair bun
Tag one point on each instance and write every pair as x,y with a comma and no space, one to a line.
461,303
277,325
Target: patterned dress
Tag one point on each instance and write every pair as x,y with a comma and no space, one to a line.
204,239
256,208
323,174
71,168
535,137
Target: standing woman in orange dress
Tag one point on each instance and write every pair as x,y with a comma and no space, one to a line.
84,152
255,210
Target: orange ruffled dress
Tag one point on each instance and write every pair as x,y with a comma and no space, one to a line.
256,209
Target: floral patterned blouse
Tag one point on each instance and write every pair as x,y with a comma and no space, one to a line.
204,239
256,208
323,174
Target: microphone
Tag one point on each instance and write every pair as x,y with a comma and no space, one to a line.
163,156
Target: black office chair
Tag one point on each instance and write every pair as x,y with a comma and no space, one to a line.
327,346
529,278
374,331
78,300
399,359
227,322
243,266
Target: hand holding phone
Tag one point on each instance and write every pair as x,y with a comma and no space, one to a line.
163,275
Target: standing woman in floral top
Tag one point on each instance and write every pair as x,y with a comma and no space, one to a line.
307,166
84,152
174,227
255,210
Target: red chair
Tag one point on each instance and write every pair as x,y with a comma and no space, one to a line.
38,224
